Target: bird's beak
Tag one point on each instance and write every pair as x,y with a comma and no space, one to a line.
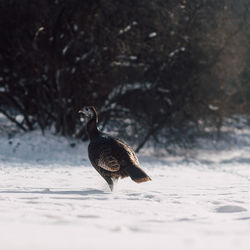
80,112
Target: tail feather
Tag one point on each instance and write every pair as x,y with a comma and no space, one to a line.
137,174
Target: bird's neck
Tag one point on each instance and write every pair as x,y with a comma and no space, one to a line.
92,128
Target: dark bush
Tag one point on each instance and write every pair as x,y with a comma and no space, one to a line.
150,67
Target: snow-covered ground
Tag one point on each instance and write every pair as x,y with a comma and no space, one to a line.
52,198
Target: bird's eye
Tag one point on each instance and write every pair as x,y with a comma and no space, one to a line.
87,109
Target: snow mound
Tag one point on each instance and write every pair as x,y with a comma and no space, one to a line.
47,148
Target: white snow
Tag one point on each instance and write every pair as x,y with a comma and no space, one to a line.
65,49
75,27
52,198
126,29
173,53
212,107
133,58
123,88
19,118
153,34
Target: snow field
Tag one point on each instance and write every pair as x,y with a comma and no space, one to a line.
52,198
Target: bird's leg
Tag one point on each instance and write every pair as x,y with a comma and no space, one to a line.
110,178
115,179
109,181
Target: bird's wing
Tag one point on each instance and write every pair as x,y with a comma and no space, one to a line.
130,152
107,161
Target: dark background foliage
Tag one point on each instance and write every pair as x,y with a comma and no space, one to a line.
161,69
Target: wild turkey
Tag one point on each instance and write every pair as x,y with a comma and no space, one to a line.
111,157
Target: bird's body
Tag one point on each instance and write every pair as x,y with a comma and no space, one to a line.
111,157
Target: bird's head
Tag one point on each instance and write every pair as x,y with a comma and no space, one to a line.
89,112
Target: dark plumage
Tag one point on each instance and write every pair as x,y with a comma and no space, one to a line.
111,157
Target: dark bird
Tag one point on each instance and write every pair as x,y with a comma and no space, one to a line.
111,157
